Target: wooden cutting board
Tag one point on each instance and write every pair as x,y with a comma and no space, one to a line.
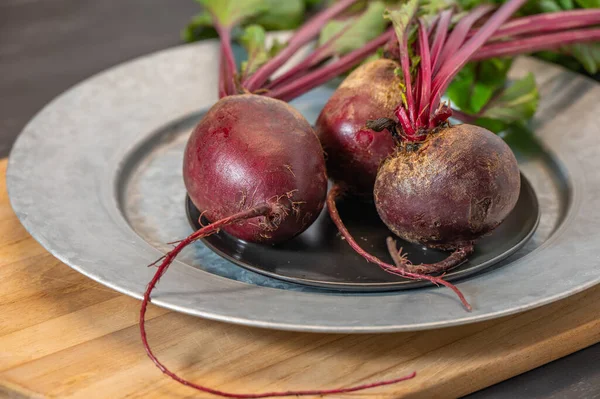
63,335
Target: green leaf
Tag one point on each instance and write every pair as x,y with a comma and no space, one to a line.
518,102
493,72
281,14
253,39
312,3
415,60
270,14
469,4
434,7
402,17
459,90
566,4
480,90
199,28
480,96
276,47
476,83
588,54
588,3
560,59
522,140
493,125
232,12
550,6
358,31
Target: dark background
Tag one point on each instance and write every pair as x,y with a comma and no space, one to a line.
46,46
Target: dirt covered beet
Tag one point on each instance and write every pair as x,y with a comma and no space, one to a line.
355,152
250,150
456,186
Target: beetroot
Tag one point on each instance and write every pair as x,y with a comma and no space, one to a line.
256,168
444,187
456,186
250,150
447,190
354,152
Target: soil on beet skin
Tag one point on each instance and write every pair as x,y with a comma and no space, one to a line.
460,184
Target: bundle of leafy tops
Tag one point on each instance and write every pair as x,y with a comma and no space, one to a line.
256,168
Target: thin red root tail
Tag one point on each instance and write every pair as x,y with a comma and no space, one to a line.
263,210
335,192
454,259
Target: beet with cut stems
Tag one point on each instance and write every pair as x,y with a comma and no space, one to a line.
443,186
458,185
355,152
250,150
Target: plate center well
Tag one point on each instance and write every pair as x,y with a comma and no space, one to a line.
320,258
152,197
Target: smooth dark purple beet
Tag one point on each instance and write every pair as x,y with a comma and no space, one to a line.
354,152
459,184
250,150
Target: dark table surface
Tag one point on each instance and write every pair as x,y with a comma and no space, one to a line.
46,46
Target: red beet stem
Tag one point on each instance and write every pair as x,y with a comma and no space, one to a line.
451,67
432,25
410,102
404,121
167,260
440,115
222,89
228,68
318,55
459,33
321,75
335,192
537,43
424,76
439,39
547,22
302,36
461,116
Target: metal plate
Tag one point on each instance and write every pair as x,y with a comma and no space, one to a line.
96,178
319,258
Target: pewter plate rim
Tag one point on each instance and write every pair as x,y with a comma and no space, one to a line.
69,155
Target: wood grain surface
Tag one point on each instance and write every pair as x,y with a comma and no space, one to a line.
64,336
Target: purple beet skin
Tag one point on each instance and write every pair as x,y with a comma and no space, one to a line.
354,152
250,150
459,184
